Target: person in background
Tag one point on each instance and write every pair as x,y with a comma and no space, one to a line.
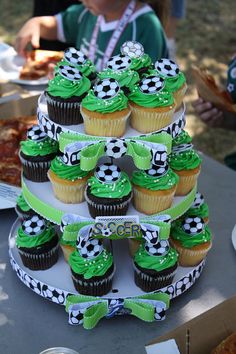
216,118
99,28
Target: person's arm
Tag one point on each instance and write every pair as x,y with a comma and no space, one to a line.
44,27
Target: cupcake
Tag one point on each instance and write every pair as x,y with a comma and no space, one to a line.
175,81
154,189
118,68
23,209
199,208
91,265
64,95
105,109
78,59
186,163
36,154
192,240
37,243
152,106
68,181
155,262
108,192
182,138
140,61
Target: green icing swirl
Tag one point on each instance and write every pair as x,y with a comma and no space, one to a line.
118,189
61,87
142,179
174,83
24,240
187,241
142,62
187,160
182,138
202,211
93,103
126,78
162,98
158,263
41,148
63,171
90,268
86,69
21,203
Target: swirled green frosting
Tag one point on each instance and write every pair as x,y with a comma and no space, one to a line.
189,241
202,211
21,203
41,148
61,87
142,179
86,69
187,160
91,268
126,78
162,98
182,138
142,62
24,240
119,189
158,263
63,171
93,103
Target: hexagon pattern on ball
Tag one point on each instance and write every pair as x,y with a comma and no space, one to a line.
108,173
159,156
119,63
34,225
151,84
159,249
115,148
157,171
36,134
198,200
69,72
167,67
132,49
106,89
193,225
74,56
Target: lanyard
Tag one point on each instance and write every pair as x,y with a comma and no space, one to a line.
122,23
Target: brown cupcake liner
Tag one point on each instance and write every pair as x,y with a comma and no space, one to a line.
41,261
35,171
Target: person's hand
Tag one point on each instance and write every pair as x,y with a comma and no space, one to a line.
29,33
208,113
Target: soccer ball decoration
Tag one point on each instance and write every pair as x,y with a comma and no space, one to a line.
119,63
132,49
159,156
151,84
159,249
193,225
33,226
74,56
108,173
106,231
198,201
150,233
69,72
36,134
89,248
181,148
157,171
106,89
167,67
115,148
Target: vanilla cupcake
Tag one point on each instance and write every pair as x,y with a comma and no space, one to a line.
152,106
105,109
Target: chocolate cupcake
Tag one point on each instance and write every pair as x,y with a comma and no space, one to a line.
140,61
108,192
64,95
91,265
36,154
37,243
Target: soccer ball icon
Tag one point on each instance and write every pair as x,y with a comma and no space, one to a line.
198,201
167,67
116,148
69,72
106,89
159,156
158,249
74,56
157,171
193,225
106,231
108,173
90,248
151,84
132,49
150,233
119,62
34,225
36,134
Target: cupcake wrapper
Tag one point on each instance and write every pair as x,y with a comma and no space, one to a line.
93,288
148,283
35,171
148,122
179,96
186,184
39,261
104,127
65,113
151,204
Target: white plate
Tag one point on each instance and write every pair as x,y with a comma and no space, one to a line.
234,237
10,66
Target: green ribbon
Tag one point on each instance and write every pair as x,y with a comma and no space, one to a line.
88,310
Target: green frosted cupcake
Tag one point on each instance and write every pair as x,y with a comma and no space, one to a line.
199,208
182,138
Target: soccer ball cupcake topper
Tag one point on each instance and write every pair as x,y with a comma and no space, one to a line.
106,89
74,56
87,246
33,226
108,173
132,49
36,134
119,62
193,225
167,67
69,72
151,84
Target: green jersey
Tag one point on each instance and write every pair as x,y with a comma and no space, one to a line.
76,25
